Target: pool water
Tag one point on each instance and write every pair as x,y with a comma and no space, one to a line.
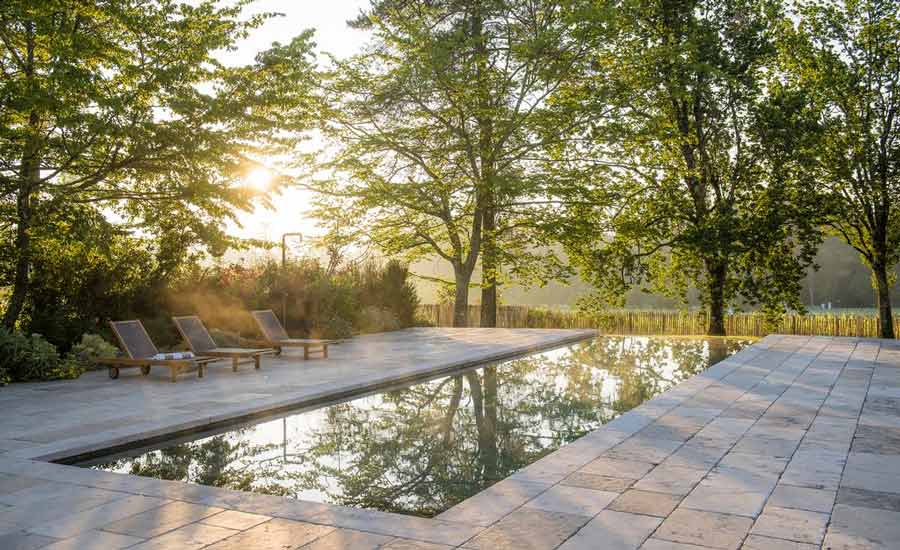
424,448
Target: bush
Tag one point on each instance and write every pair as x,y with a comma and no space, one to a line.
335,328
378,319
26,358
91,347
369,297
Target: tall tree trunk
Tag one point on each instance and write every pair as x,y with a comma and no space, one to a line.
716,272
461,301
22,245
883,295
29,177
487,181
489,270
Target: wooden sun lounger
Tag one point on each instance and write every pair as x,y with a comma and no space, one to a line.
276,337
194,333
141,350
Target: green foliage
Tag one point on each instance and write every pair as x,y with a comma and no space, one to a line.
367,298
375,319
124,106
26,358
87,271
697,162
437,129
845,57
91,347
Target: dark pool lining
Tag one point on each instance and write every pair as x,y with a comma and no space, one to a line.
140,446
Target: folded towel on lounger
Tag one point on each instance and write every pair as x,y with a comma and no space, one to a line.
173,356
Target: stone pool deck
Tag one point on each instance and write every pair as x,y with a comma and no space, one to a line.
793,443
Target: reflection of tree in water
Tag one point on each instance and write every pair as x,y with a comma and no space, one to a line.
423,449
219,461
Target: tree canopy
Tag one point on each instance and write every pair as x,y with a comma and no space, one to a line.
692,174
438,128
125,107
845,57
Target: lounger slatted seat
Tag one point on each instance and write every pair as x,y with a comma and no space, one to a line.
276,337
143,353
194,333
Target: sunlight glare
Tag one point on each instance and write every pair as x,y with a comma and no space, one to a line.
259,178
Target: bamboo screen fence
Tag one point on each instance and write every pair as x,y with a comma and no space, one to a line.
662,322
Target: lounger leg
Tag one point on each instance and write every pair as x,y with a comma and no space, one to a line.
256,360
201,371
305,353
325,351
234,364
173,374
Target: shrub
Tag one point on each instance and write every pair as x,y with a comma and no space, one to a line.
378,319
91,347
25,358
369,297
335,328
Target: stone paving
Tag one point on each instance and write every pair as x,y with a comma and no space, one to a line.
793,443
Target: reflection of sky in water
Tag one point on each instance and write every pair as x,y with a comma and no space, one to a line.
404,450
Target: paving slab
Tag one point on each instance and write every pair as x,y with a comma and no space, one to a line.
101,516
802,498
613,531
873,472
276,533
791,524
406,544
234,519
864,498
854,528
627,469
158,519
346,539
645,502
95,540
572,500
675,480
527,529
711,529
195,535
493,503
598,482
757,542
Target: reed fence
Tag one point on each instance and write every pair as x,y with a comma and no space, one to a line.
662,322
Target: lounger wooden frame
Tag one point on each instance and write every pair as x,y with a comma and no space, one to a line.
281,340
253,355
114,364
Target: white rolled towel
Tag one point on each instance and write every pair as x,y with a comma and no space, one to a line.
173,356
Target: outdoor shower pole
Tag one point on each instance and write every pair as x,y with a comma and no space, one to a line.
284,237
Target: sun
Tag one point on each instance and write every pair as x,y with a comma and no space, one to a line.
259,178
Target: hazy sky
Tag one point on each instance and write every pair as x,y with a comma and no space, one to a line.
328,18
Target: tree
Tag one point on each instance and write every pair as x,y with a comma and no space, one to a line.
684,179
436,128
124,106
846,56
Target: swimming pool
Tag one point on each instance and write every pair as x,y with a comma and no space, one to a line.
424,448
